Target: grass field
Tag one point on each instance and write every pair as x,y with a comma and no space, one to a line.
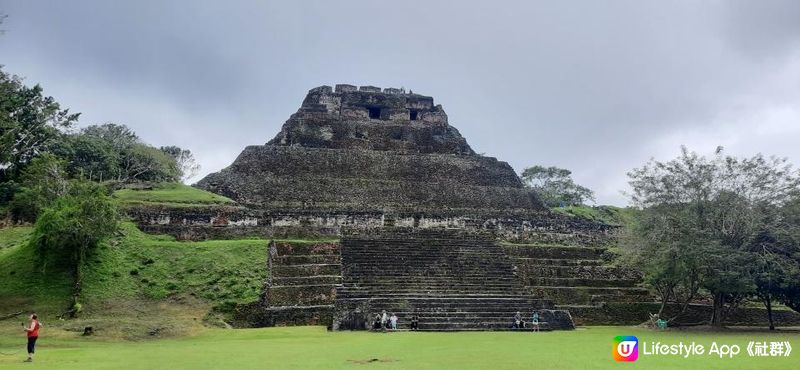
314,347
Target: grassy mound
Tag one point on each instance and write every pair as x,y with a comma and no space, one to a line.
23,284
135,283
139,265
169,194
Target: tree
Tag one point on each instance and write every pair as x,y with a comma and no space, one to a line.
555,186
717,207
669,251
184,158
142,162
89,157
120,137
777,259
72,227
29,123
43,181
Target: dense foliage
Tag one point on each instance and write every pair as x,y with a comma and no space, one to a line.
72,227
555,186
30,123
724,226
40,152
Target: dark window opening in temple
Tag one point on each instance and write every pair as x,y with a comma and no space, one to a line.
374,113
414,115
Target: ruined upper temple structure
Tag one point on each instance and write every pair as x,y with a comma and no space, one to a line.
366,149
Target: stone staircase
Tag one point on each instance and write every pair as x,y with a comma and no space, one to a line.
300,287
451,280
575,276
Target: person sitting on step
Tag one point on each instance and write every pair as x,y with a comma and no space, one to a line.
518,323
393,321
414,321
377,324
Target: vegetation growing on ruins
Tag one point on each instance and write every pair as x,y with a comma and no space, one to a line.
611,215
554,186
168,194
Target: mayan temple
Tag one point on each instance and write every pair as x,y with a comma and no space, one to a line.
411,219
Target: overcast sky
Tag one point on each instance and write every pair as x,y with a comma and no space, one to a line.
597,87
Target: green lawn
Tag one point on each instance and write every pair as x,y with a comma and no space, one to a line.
313,347
170,194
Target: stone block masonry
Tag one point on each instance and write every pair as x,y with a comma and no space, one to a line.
300,287
384,168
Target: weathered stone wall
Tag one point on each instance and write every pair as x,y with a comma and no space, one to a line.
300,288
201,223
634,313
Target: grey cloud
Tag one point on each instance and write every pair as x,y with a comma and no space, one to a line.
597,87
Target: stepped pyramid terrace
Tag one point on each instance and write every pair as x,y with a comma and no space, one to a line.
397,212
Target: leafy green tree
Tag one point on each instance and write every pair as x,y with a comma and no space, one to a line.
43,181
120,137
142,162
184,158
668,249
72,228
777,259
29,123
716,209
89,157
555,186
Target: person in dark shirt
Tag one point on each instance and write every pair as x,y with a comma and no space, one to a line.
414,321
518,323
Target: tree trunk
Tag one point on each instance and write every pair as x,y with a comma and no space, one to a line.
717,309
77,288
663,306
768,304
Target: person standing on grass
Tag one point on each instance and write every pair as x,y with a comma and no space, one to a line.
393,320
535,321
384,320
33,334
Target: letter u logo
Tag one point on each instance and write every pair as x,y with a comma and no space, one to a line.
626,348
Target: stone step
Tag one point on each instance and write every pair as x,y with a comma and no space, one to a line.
446,303
306,270
466,326
571,282
344,293
583,272
302,259
530,261
308,280
292,248
590,295
455,285
554,252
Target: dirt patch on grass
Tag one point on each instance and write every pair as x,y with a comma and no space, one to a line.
142,319
371,360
